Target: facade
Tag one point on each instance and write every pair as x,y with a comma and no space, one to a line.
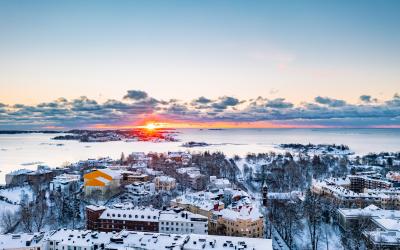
125,217
338,191
113,219
360,182
164,183
102,180
219,183
179,157
191,177
42,175
17,177
203,203
129,177
65,183
238,217
178,221
350,216
140,193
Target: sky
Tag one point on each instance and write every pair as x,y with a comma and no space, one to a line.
223,63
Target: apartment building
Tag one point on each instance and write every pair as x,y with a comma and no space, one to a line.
164,183
120,218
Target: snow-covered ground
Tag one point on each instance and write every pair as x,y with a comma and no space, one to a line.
329,233
14,194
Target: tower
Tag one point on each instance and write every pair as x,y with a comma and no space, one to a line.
264,191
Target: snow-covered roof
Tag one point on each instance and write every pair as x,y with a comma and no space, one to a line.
82,238
138,240
384,237
20,171
243,213
137,214
208,242
203,200
389,224
114,173
370,211
164,178
19,241
181,216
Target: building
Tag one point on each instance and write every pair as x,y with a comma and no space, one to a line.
164,183
17,177
140,193
178,221
65,183
394,177
219,183
24,241
66,239
102,180
203,203
127,217
381,227
192,178
179,157
360,182
129,177
237,217
42,175
386,235
115,219
350,216
338,191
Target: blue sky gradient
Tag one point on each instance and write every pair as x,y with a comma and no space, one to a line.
296,50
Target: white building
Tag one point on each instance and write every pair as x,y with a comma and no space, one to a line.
140,193
65,183
165,183
22,241
64,239
221,183
179,221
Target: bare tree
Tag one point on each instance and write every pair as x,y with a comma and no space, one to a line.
7,221
39,212
26,217
313,213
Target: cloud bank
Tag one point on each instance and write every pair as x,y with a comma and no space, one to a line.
137,106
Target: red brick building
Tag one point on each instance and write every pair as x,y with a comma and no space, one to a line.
110,219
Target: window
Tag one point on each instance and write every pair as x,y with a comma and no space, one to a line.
142,216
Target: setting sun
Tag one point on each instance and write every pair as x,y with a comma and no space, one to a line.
150,126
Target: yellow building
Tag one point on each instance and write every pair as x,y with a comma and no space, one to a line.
246,222
103,180
165,183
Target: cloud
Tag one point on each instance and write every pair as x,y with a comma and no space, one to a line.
279,103
329,101
367,99
395,101
201,100
136,95
225,102
84,112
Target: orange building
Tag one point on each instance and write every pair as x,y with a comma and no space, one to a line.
102,180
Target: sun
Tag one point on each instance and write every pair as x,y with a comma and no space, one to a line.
150,126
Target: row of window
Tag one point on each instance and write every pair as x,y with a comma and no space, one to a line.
130,216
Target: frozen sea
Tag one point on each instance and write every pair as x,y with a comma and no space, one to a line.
28,150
